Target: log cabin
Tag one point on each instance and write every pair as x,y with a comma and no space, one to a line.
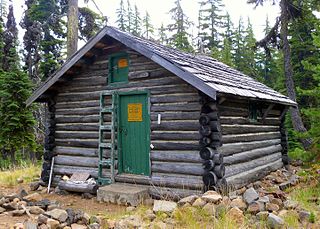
128,110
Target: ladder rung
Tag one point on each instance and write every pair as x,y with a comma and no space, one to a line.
105,162
104,181
106,127
106,93
105,145
106,110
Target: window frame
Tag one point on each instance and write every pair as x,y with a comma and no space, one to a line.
110,80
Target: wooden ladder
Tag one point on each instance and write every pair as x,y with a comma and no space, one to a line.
106,163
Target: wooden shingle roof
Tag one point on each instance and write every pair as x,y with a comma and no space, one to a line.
204,73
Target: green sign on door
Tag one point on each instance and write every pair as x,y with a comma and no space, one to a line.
134,133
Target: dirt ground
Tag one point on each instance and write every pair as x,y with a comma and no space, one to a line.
74,201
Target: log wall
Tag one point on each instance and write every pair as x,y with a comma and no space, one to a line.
251,149
175,160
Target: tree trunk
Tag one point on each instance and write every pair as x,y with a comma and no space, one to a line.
72,36
295,113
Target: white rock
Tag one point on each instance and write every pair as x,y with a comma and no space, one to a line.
164,206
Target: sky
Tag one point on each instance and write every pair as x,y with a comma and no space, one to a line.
158,10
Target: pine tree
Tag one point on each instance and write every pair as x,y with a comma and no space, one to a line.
228,40
239,46
303,49
10,55
31,41
249,53
130,18
48,14
179,28
121,14
136,22
211,23
16,120
313,93
147,26
163,38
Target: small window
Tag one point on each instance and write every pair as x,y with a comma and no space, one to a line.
253,112
118,68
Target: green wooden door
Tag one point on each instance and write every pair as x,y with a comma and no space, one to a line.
134,134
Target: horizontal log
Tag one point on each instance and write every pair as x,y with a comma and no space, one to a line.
169,145
208,165
175,135
179,168
174,98
175,156
233,148
177,181
72,151
206,118
80,104
88,143
78,127
75,187
241,129
209,179
163,180
176,107
251,154
173,89
207,153
245,120
69,170
79,111
246,166
77,135
176,125
75,97
77,161
159,192
219,170
250,137
244,178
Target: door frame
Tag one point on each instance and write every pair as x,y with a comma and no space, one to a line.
148,141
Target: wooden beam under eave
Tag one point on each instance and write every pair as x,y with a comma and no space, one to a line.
265,114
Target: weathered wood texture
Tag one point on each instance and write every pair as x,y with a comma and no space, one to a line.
251,149
175,139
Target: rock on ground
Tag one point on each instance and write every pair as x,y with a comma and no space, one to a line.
164,206
250,195
236,215
274,221
58,214
34,197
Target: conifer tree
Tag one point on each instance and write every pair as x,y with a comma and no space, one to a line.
228,40
163,38
179,28
16,120
136,30
130,17
121,15
148,28
239,46
211,22
249,53
312,113
48,14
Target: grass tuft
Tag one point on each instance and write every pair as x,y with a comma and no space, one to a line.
9,178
